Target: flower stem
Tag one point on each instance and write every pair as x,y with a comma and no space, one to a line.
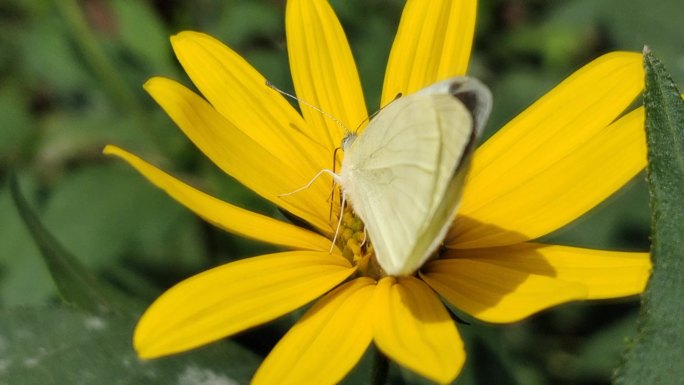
380,369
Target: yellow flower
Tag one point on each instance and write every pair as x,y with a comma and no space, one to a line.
552,163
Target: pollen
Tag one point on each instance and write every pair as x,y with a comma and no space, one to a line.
356,246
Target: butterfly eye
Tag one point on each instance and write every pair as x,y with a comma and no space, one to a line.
347,141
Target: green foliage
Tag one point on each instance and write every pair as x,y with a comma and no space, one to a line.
55,346
655,355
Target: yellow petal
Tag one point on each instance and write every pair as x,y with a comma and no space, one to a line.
493,292
323,70
225,215
433,43
605,274
242,157
231,298
556,160
241,95
412,327
326,342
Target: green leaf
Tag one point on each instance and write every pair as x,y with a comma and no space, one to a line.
657,352
24,277
75,283
55,346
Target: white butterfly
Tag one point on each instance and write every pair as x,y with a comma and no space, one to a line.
404,174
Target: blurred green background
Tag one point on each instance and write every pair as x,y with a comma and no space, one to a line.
70,82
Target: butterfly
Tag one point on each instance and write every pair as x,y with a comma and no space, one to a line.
404,174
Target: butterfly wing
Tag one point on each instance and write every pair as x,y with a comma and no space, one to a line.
403,175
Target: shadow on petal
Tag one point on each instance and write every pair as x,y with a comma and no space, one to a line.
468,226
490,286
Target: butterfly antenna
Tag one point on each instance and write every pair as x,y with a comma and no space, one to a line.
289,95
371,116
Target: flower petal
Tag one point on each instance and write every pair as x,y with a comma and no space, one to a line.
433,43
605,274
231,298
411,326
556,160
495,292
326,342
242,157
224,215
240,94
323,70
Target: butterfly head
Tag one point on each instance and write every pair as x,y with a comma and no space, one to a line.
347,141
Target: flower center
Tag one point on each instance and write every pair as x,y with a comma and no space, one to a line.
356,246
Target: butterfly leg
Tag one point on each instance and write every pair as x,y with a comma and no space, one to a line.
306,186
339,222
